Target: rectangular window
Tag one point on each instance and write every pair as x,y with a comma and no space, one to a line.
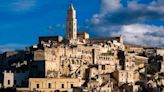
8,82
103,67
62,86
15,82
49,85
37,85
71,85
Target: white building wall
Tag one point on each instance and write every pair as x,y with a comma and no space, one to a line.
8,80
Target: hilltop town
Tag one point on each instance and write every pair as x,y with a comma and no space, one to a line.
78,63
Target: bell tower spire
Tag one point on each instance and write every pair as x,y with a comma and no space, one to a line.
71,24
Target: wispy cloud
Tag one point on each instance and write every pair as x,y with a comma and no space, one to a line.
3,49
17,6
11,47
142,34
110,6
56,29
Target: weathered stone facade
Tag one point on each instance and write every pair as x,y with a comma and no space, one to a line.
53,84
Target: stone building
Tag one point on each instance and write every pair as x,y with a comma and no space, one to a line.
8,79
160,51
124,76
162,67
53,84
82,35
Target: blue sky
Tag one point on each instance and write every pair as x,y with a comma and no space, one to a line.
23,21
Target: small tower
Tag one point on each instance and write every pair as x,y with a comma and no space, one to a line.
8,80
71,25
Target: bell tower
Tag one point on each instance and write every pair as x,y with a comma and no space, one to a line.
71,25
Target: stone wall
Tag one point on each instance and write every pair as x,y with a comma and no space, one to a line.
52,84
